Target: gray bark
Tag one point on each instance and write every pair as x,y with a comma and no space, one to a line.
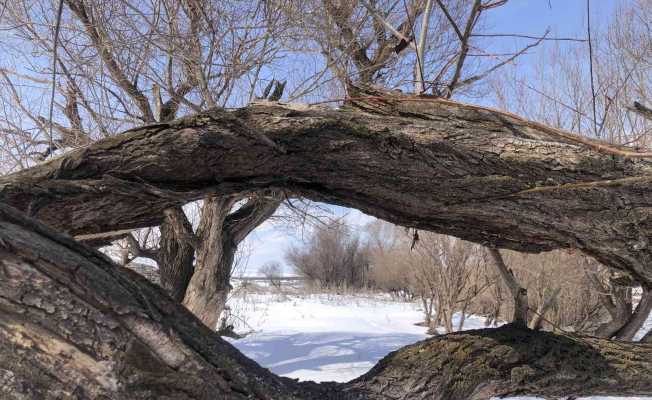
176,253
75,326
647,338
539,314
219,234
478,174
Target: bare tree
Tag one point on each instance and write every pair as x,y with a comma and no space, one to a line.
272,272
125,63
334,258
434,46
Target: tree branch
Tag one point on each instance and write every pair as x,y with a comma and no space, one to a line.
519,294
101,43
248,217
490,186
641,110
464,46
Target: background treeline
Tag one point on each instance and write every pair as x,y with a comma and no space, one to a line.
454,278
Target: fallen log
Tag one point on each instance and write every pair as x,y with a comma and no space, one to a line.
73,325
479,174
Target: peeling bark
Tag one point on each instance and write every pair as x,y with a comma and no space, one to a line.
73,325
478,174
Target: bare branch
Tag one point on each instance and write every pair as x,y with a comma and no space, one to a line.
101,43
641,110
389,26
464,44
483,75
516,35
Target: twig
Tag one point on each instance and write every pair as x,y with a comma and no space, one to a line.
57,27
517,35
588,28
389,26
421,47
464,46
500,64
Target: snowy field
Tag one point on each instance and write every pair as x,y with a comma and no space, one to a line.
329,337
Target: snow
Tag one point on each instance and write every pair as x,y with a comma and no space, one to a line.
322,337
332,337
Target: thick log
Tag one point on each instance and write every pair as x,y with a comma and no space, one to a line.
75,326
509,361
479,174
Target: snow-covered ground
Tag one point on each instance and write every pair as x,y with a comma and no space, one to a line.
330,337
322,337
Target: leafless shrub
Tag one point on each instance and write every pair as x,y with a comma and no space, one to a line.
272,271
334,257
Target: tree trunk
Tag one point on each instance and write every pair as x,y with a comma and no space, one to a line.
176,253
219,234
73,325
638,317
508,361
647,338
519,294
538,317
617,300
475,173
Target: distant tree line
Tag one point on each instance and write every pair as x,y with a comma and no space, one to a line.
452,278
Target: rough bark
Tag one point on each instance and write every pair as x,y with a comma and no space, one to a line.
508,361
478,174
210,285
75,326
219,233
176,253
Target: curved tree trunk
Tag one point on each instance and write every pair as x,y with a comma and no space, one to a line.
637,318
74,326
478,174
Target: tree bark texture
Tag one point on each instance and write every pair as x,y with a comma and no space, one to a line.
73,325
219,233
509,360
176,253
479,174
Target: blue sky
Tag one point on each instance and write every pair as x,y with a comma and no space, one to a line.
564,18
